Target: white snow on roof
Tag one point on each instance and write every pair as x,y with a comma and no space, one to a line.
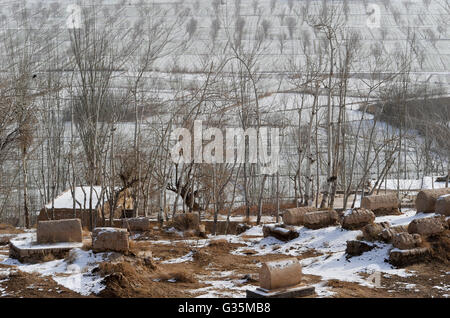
82,198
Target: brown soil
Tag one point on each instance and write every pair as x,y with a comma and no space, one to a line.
132,277
20,284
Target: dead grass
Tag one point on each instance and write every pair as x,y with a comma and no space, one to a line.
48,257
9,229
132,278
440,246
87,246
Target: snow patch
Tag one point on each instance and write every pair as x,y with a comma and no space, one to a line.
28,241
326,240
186,258
407,217
322,290
336,265
254,231
411,184
74,273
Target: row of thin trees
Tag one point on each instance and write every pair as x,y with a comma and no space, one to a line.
83,106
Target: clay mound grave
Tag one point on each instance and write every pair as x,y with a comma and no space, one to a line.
357,219
320,219
426,199
108,239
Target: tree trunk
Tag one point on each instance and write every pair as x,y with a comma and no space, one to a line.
25,189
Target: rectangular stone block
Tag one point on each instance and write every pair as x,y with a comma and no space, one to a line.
59,231
109,239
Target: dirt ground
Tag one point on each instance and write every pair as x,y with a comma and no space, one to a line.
26,285
144,273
